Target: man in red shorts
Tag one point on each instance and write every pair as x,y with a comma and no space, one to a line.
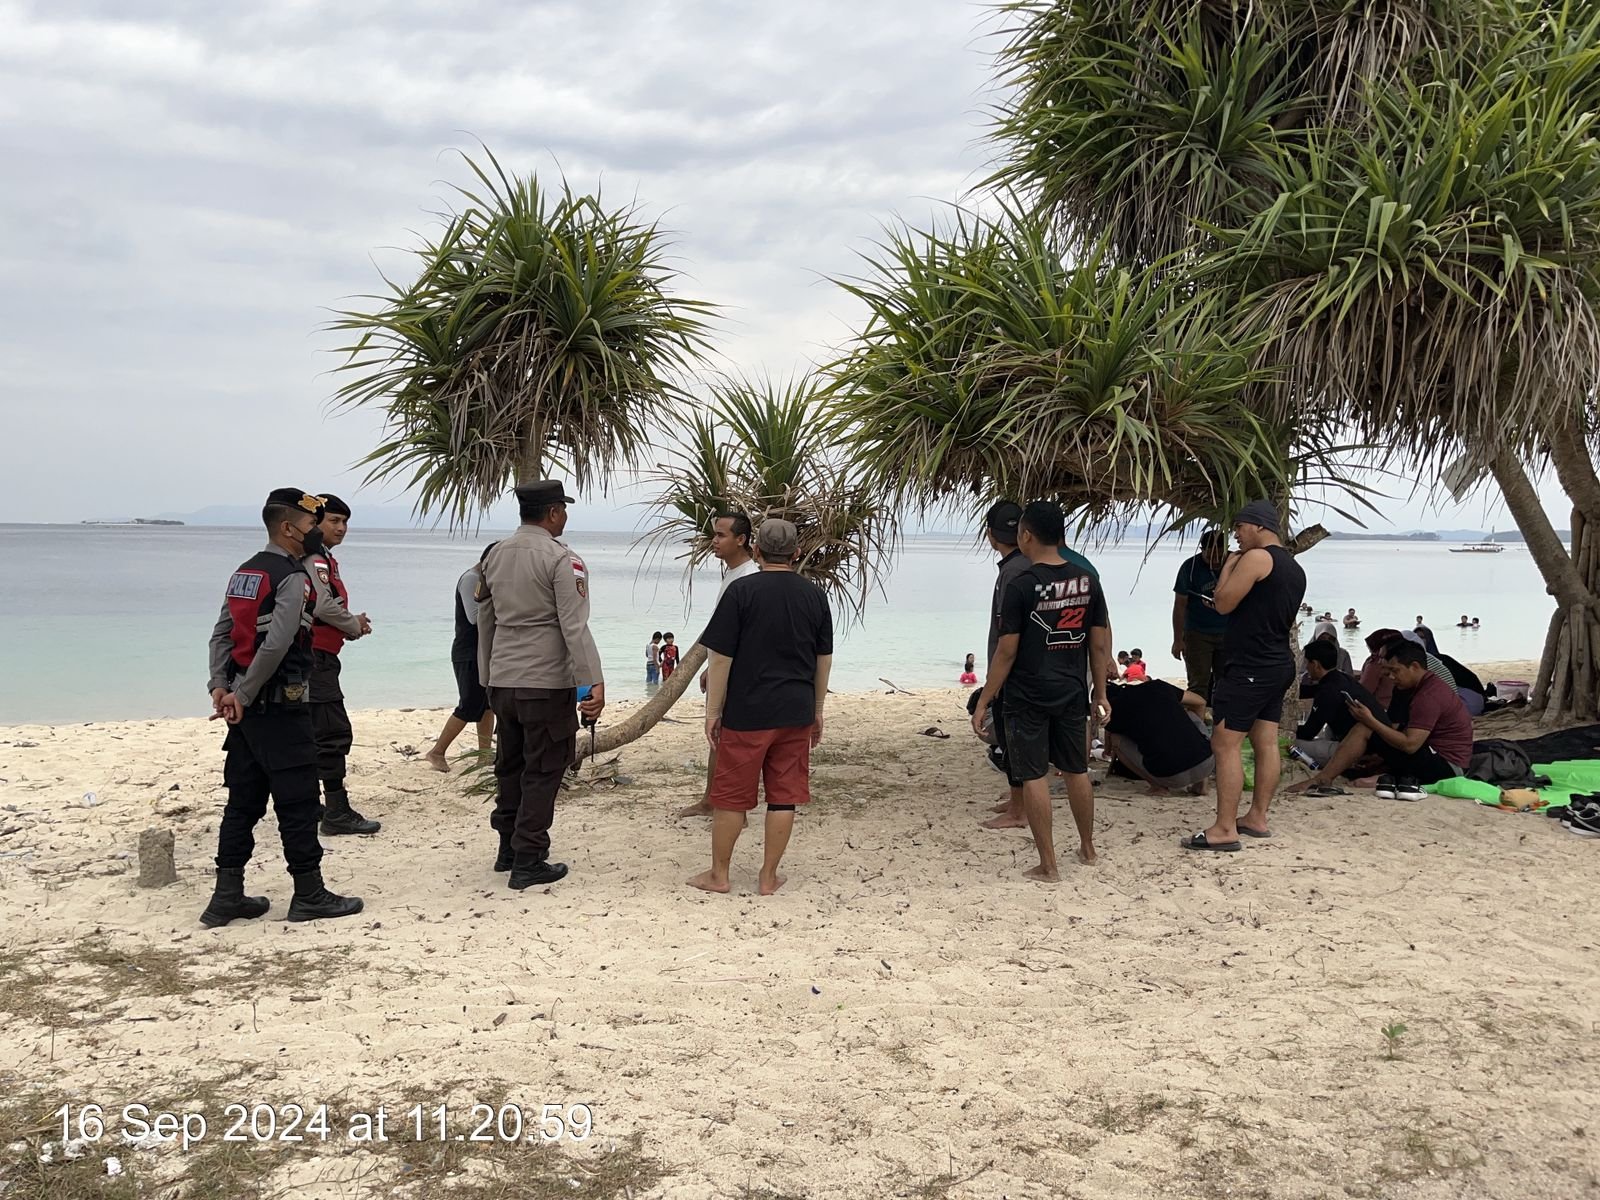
771,648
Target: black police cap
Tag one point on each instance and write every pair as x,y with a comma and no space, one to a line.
546,491
295,498
334,505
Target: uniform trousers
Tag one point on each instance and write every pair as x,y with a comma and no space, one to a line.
329,720
536,741
271,754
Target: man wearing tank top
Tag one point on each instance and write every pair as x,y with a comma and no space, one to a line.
1260,590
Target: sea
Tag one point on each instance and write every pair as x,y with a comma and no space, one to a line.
101,622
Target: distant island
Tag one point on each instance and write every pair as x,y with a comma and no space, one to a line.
1509,536
1339,536
135,521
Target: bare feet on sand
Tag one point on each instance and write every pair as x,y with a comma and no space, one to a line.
1088,858
1040,875
1005,821
436,760
1003,806
707,881
698,809
767,887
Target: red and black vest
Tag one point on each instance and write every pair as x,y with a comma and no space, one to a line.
255,590
324,636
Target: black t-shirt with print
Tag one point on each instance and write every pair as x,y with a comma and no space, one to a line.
1052,607
774,625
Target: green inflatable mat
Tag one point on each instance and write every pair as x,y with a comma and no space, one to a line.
1575,776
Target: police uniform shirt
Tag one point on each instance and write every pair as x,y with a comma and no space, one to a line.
533,615
285,623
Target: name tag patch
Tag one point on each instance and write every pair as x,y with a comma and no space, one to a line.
245,585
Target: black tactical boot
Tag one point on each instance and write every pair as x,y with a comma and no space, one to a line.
339,817
528,871
313,901
507,857
228,901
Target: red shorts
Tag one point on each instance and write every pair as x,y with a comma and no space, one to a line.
780,758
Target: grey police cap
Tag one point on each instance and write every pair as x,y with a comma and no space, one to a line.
546,491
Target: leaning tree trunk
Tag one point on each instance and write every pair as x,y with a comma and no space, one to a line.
1564,690
635,725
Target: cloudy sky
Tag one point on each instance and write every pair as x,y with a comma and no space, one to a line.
192,186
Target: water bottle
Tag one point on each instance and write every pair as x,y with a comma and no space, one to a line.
1304,759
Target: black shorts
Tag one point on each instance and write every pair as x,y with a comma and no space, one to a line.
1037,735
997,715
1245,695
471,699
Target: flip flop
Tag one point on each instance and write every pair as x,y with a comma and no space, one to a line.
934,731
1326,789
1255,833
1197,841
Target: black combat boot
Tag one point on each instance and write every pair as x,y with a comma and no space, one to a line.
339,817
313,901
528,871
228,901
507,857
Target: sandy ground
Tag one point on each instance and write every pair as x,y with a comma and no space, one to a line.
909,1017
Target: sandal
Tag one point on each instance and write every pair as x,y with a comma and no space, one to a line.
1197,841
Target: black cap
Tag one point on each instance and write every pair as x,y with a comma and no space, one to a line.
334,505
295,498
1001,520
546,491
1259,512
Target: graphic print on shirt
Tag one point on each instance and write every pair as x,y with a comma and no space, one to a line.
1061,608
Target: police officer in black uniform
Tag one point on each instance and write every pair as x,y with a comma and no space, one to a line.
260,685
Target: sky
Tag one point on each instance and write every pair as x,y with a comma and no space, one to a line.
193,188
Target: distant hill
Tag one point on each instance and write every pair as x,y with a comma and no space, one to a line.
1509,536
239,515
1415,536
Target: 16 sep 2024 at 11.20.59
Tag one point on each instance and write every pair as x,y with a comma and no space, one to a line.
290,1124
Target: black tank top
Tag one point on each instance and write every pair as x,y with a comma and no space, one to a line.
1258,630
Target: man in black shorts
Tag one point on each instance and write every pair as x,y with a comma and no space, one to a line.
1000,526
1053,627
1260,589
472,700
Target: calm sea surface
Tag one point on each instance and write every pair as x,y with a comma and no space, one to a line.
100,623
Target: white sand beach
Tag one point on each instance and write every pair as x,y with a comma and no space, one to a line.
909,1017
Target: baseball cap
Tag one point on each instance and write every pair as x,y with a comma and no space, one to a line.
777,538
1001,520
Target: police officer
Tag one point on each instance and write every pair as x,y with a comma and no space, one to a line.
333,623
260,680
534,650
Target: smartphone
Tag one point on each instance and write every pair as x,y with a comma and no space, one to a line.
1348,698
585,692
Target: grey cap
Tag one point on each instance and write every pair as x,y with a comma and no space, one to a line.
1259,512
777,538
546,491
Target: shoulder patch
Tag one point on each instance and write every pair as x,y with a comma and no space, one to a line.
322,571
580,576
246,585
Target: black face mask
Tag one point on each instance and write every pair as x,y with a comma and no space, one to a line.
311,541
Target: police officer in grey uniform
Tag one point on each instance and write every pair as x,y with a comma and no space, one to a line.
534,652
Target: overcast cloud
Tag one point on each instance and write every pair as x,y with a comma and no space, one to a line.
192,185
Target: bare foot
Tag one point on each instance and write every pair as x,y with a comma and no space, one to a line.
1154,790
1088,857
698,809
1040,875
1003,806
767,887
707,881
436,760
1005,821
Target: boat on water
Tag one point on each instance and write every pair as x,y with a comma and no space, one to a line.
1478,548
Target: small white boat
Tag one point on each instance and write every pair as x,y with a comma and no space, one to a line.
1478,548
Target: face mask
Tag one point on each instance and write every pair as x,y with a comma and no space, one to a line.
311,541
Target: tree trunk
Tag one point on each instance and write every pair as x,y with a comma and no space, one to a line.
530,461
1565,688
635,725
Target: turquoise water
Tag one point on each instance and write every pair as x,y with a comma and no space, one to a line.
102,623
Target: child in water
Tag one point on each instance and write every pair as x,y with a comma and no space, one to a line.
969,673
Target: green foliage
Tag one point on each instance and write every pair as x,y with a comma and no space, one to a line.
541,330
765,448
1391,1037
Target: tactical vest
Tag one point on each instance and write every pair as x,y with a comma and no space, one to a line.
324,636
253,593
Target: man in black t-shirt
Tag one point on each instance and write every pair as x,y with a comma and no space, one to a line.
1332,691
1053,626
1155,733
1260,589
771,648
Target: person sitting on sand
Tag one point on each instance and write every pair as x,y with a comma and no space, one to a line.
1137,670
1351,621
1326,631
1431,737
969,672
1155,733
771,647
1053,630
1123,659
1330,734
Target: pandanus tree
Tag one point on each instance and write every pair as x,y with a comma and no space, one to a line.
541,333
764,448
1395,205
